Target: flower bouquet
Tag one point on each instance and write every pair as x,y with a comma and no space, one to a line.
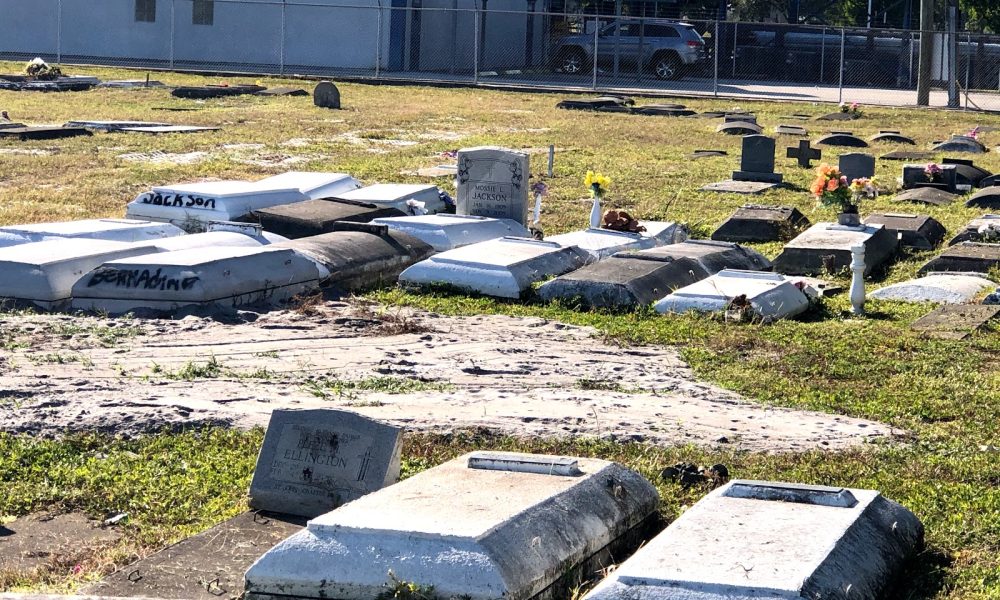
831,188
598,185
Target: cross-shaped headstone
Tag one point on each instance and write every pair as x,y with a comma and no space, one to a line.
804,153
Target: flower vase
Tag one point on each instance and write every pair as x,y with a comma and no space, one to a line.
849,217
595,213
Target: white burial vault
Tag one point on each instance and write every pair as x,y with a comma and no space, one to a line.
771,296
116,230
216,277
602,243
410,198
757,539
505,267
482,526
192,205
943,288
447,232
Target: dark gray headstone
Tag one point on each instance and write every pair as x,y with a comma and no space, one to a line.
842,138
990,181
493,182
361,255
312,461
805,154
915,231
966,173
904,155
960,143
797,130
925,195
971,257
326,95
739,128
855,165
624,281
892,137
914,176
955,321
753,223
757,160
740,117
985,198
985,229
315,217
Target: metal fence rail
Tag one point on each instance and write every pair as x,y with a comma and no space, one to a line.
486,44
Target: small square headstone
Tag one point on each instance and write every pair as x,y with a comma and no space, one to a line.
312,461
492,182
915,176
856,165
757,160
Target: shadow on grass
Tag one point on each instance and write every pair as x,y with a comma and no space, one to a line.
922,578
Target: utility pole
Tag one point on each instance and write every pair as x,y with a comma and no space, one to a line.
953,99
926,50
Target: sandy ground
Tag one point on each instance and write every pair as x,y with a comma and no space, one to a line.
518,376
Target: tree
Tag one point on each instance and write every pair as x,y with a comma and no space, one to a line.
982,15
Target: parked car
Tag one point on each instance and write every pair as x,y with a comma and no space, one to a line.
664,48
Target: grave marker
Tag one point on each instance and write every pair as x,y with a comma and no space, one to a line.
757,160
922,232
313,461
797,130
956,322
892,137
739,128
855,165
492,182
804,153
827,246
966,173
915,176
904,155
769,296
926,195
984,229
326,95
842,138
943,288
754,223
985,198
967,257
960,143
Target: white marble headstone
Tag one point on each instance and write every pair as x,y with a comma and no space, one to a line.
493,182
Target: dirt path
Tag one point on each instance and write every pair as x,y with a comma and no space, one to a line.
519,376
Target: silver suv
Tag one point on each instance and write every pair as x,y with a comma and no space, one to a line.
665,48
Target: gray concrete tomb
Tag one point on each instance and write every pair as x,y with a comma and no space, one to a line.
116,230
968,257
770,296
985,229
602,243
756,223
922,232
447,232
827,247
409,198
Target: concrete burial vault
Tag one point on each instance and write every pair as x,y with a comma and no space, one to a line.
758,539
602,243
505,267
410,198
117,230
447,232
770,295
482,526
215,277
316,217
827,246
191,205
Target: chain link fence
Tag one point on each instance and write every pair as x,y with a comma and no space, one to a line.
507,42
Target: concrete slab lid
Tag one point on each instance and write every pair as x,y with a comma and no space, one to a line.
397,195
55,251
727,546
447,231
503,252
196,256
945,288
210,239
601,243
832,235
772,296
122,230
224,189
312,184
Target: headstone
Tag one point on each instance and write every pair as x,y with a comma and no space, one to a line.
966,173
109,126
42,274
713,256
597,103
827,247
990,181
960,143
481,526
730,186
602,243
361,255
892,137
985,198
965,257
805,154
955,322
43,133
768,296
739,117
755,223
925,195
223,278
943,288
313,461
706,154
796,130
985,229
326,95
161,129
755,539
857,165
921,232
492,182
410,199
504,268
447,232
118,230
739,128
202,92
993,299
839,116
757,160
191,206
842,138
903,155
316,217
663,110
797,116
915,176
624,280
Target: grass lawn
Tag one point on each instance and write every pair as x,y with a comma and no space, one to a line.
945,394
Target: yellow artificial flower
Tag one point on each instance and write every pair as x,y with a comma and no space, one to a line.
602,182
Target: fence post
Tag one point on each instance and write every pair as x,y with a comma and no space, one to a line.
172,11
968,66
822,58
378,41
475,49
597,27
59,31
715,83
843,42
281,42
